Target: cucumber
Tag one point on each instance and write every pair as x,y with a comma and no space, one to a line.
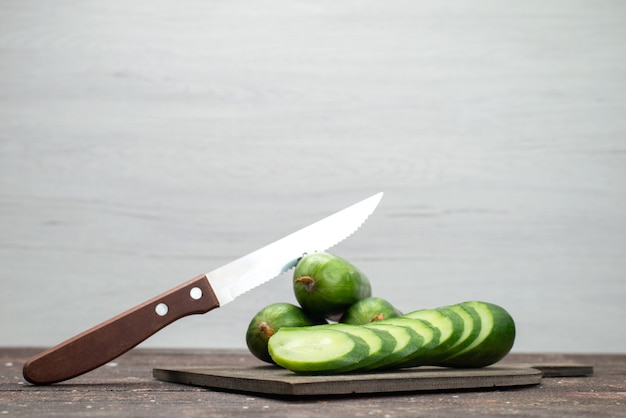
369,310
471,334
326,285
422,349
407,341
494,340
316,350
450,326
269,320
379,342
471,329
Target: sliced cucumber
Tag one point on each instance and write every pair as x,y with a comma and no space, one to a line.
315,350
458,327
466,335
429,336
471,328
450,326
379,342
407,342
494,340
473,323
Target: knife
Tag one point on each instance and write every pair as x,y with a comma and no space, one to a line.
108,340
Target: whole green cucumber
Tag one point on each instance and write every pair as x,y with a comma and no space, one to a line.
326,285
369,310
268,321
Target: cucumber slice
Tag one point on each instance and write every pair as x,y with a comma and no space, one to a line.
430,340
407,342
494,340
379,342
458,327
472,322
473,325
316,350
450,326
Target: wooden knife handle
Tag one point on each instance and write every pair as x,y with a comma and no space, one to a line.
104,342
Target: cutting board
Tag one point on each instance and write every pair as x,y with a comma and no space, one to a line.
272,380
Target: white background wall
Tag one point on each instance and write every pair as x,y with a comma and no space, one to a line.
143,143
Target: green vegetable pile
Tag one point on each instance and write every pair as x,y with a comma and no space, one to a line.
368,333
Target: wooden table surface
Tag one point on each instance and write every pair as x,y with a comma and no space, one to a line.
126,388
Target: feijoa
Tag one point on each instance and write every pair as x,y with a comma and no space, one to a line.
268,321
326,285
369,310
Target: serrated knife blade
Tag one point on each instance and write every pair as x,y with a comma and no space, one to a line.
262,265
108,340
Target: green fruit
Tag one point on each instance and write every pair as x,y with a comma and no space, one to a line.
449,327
326,285
493,341
317,350
369,310
466,335
407,342
269,320
422,348
380,344
471,328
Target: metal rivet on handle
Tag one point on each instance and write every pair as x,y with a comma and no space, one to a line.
195,293
161,309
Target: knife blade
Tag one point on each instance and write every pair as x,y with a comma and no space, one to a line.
108,340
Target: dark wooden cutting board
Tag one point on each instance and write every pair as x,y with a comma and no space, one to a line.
277,381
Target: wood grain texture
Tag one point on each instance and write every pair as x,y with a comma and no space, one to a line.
126,388
143,143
